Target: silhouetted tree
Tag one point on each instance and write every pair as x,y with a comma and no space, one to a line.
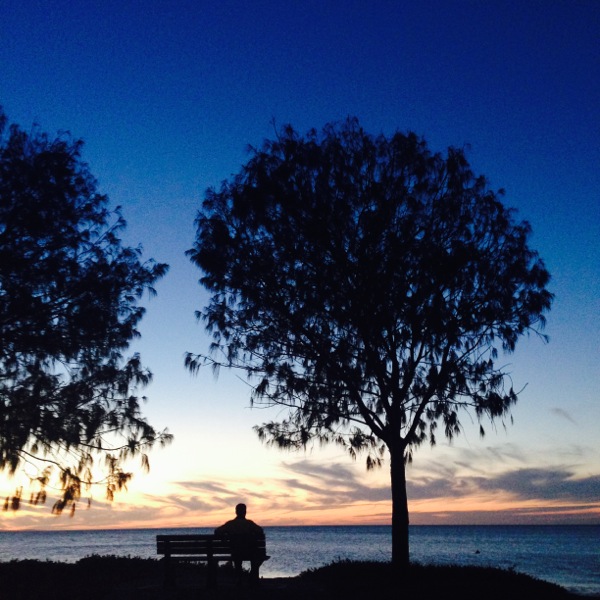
69,295
367,285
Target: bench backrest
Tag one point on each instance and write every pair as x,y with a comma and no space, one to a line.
207,545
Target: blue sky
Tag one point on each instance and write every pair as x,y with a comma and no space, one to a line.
167,97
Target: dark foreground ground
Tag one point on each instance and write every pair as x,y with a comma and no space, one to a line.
116,578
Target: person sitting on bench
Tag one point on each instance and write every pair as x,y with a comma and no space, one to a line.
241,531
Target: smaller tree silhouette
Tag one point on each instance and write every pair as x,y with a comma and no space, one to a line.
69,307
367,286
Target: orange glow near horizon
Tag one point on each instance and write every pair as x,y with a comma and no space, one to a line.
310,490
136,511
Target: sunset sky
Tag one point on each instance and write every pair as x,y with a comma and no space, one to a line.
167,96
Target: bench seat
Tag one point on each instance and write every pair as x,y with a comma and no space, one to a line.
208,548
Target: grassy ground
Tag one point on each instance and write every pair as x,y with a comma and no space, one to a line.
116,578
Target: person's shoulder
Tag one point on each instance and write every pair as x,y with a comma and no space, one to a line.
225,526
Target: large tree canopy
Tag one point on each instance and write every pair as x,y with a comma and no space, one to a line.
69,293
368,285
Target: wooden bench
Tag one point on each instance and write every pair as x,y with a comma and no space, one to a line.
207,548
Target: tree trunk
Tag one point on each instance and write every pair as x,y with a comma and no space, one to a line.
400,544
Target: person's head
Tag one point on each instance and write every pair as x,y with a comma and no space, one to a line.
240,510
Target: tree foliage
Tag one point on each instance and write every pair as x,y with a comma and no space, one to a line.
69,308
368,286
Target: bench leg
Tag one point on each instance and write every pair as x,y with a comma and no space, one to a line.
255,571
211,574
169,580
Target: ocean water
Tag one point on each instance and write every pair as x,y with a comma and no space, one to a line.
566,555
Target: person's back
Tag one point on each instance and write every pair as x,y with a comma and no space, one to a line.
240,526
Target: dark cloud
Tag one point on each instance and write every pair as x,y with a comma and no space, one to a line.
522,484
221,495
425,488
338,482
334,473
188,503
563,414
545,484
204,486
335,482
